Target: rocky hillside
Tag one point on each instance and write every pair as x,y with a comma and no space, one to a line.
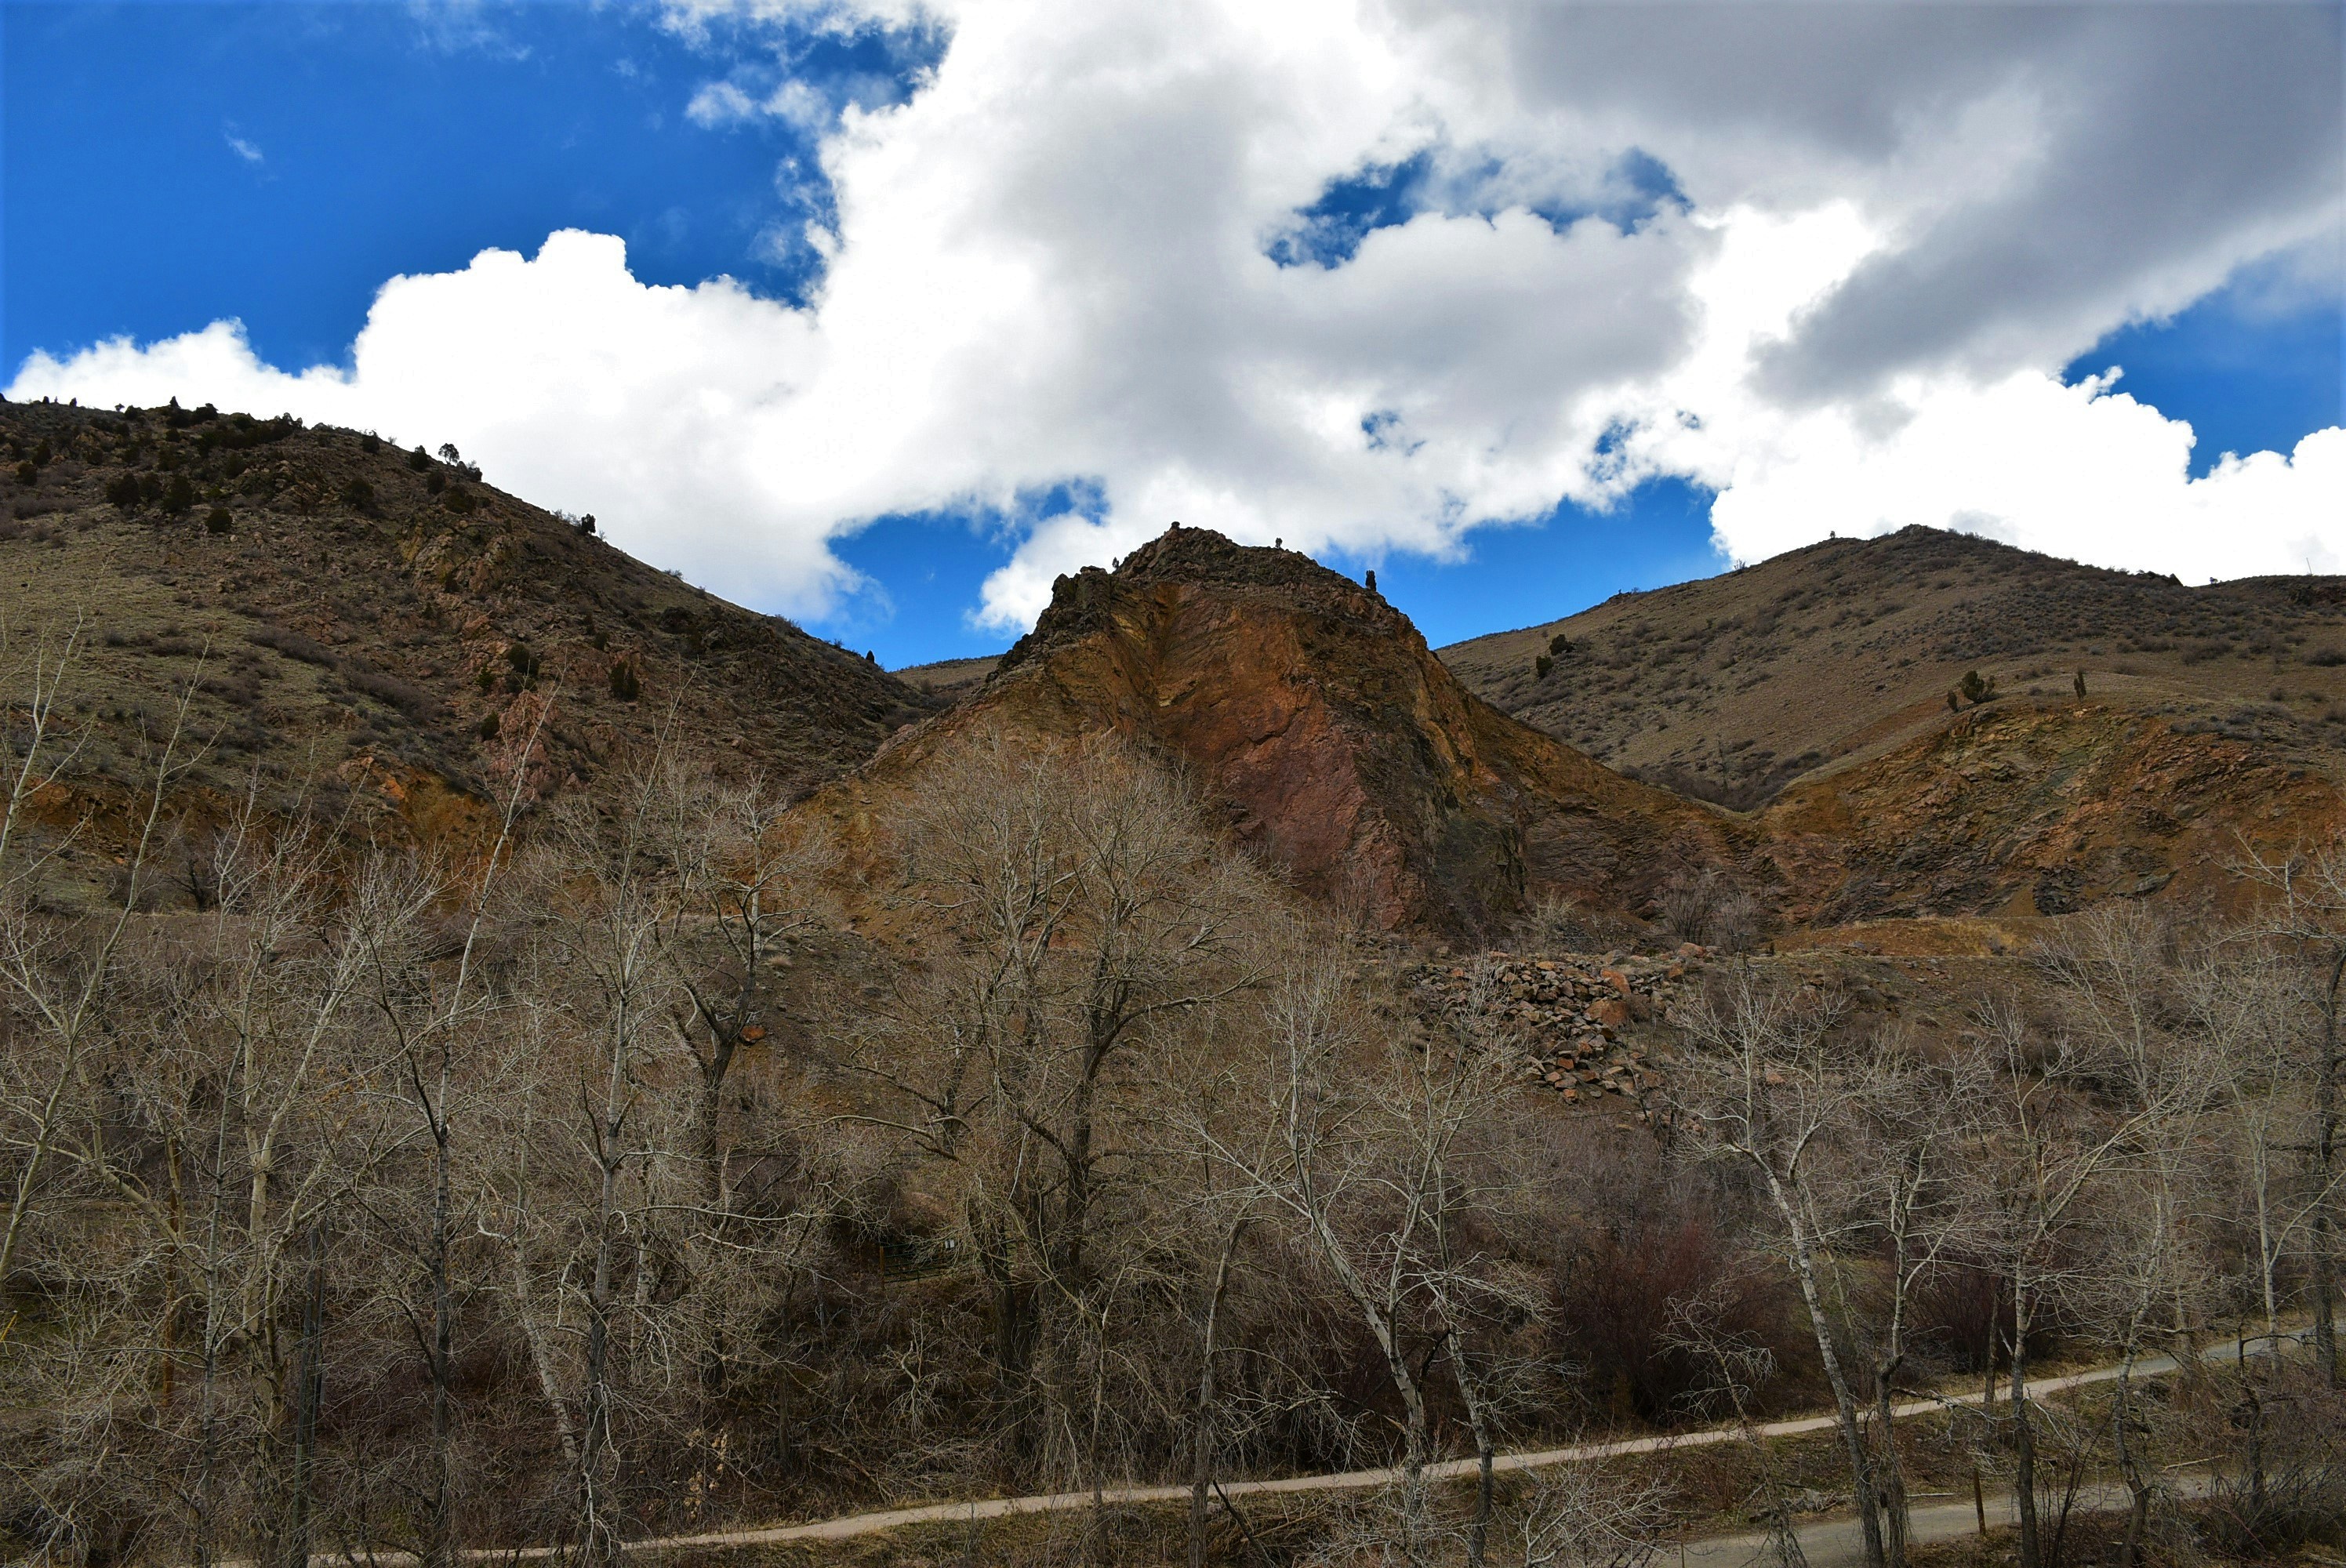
377,631
382,624
1732,686
1350,757
2039,807
1817,684
1333,742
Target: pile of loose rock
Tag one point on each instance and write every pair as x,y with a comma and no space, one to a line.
1567,1017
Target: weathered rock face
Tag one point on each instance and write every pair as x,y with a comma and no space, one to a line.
2028,810
1337,746
1339,749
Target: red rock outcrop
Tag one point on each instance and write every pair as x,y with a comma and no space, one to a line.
1336,746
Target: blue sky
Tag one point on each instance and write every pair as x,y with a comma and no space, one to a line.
2250,375
172,165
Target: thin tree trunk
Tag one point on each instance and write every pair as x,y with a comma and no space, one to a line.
1891,1474
541,1357
598,1545
1412,1397
2255,1399
2325,1165
2023,1469
1478,1534
1201,1456
1860,1465
308,1393
2130,1465
439,1524
175,1219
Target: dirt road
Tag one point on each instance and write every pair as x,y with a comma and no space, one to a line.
1718,1551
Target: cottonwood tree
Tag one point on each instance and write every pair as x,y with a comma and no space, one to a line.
227,1129
654,1190
449,1067
748,876
2249,1012
2305,909
58,973
1764,1088
1738,1366
1084,923
585,1203
2117,985
1222,1213
1372,1157
1894,1172
2039,1147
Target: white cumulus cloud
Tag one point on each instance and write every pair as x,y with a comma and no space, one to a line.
1827,259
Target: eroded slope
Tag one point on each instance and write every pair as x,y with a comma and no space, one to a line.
1331,740
381,624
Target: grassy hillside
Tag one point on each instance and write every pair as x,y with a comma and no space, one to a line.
382,622
1731,687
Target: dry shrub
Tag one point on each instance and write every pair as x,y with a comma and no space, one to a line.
2282,1479
1711,908
1558,924
1613,1296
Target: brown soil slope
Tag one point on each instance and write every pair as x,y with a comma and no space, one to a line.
382,623
2039,808
1730,687
1338,748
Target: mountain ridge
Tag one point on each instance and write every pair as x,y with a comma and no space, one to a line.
383,626
1731,687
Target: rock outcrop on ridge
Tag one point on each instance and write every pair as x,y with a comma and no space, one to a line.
1332,742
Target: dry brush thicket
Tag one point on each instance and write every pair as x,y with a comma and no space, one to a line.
595,1181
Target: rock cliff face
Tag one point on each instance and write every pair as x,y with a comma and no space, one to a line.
1335,745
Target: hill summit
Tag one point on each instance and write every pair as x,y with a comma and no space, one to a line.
1332,742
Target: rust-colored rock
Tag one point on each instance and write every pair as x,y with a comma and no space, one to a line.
2029,811
1335,745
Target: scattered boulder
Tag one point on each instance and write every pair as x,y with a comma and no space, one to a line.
1567,1017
